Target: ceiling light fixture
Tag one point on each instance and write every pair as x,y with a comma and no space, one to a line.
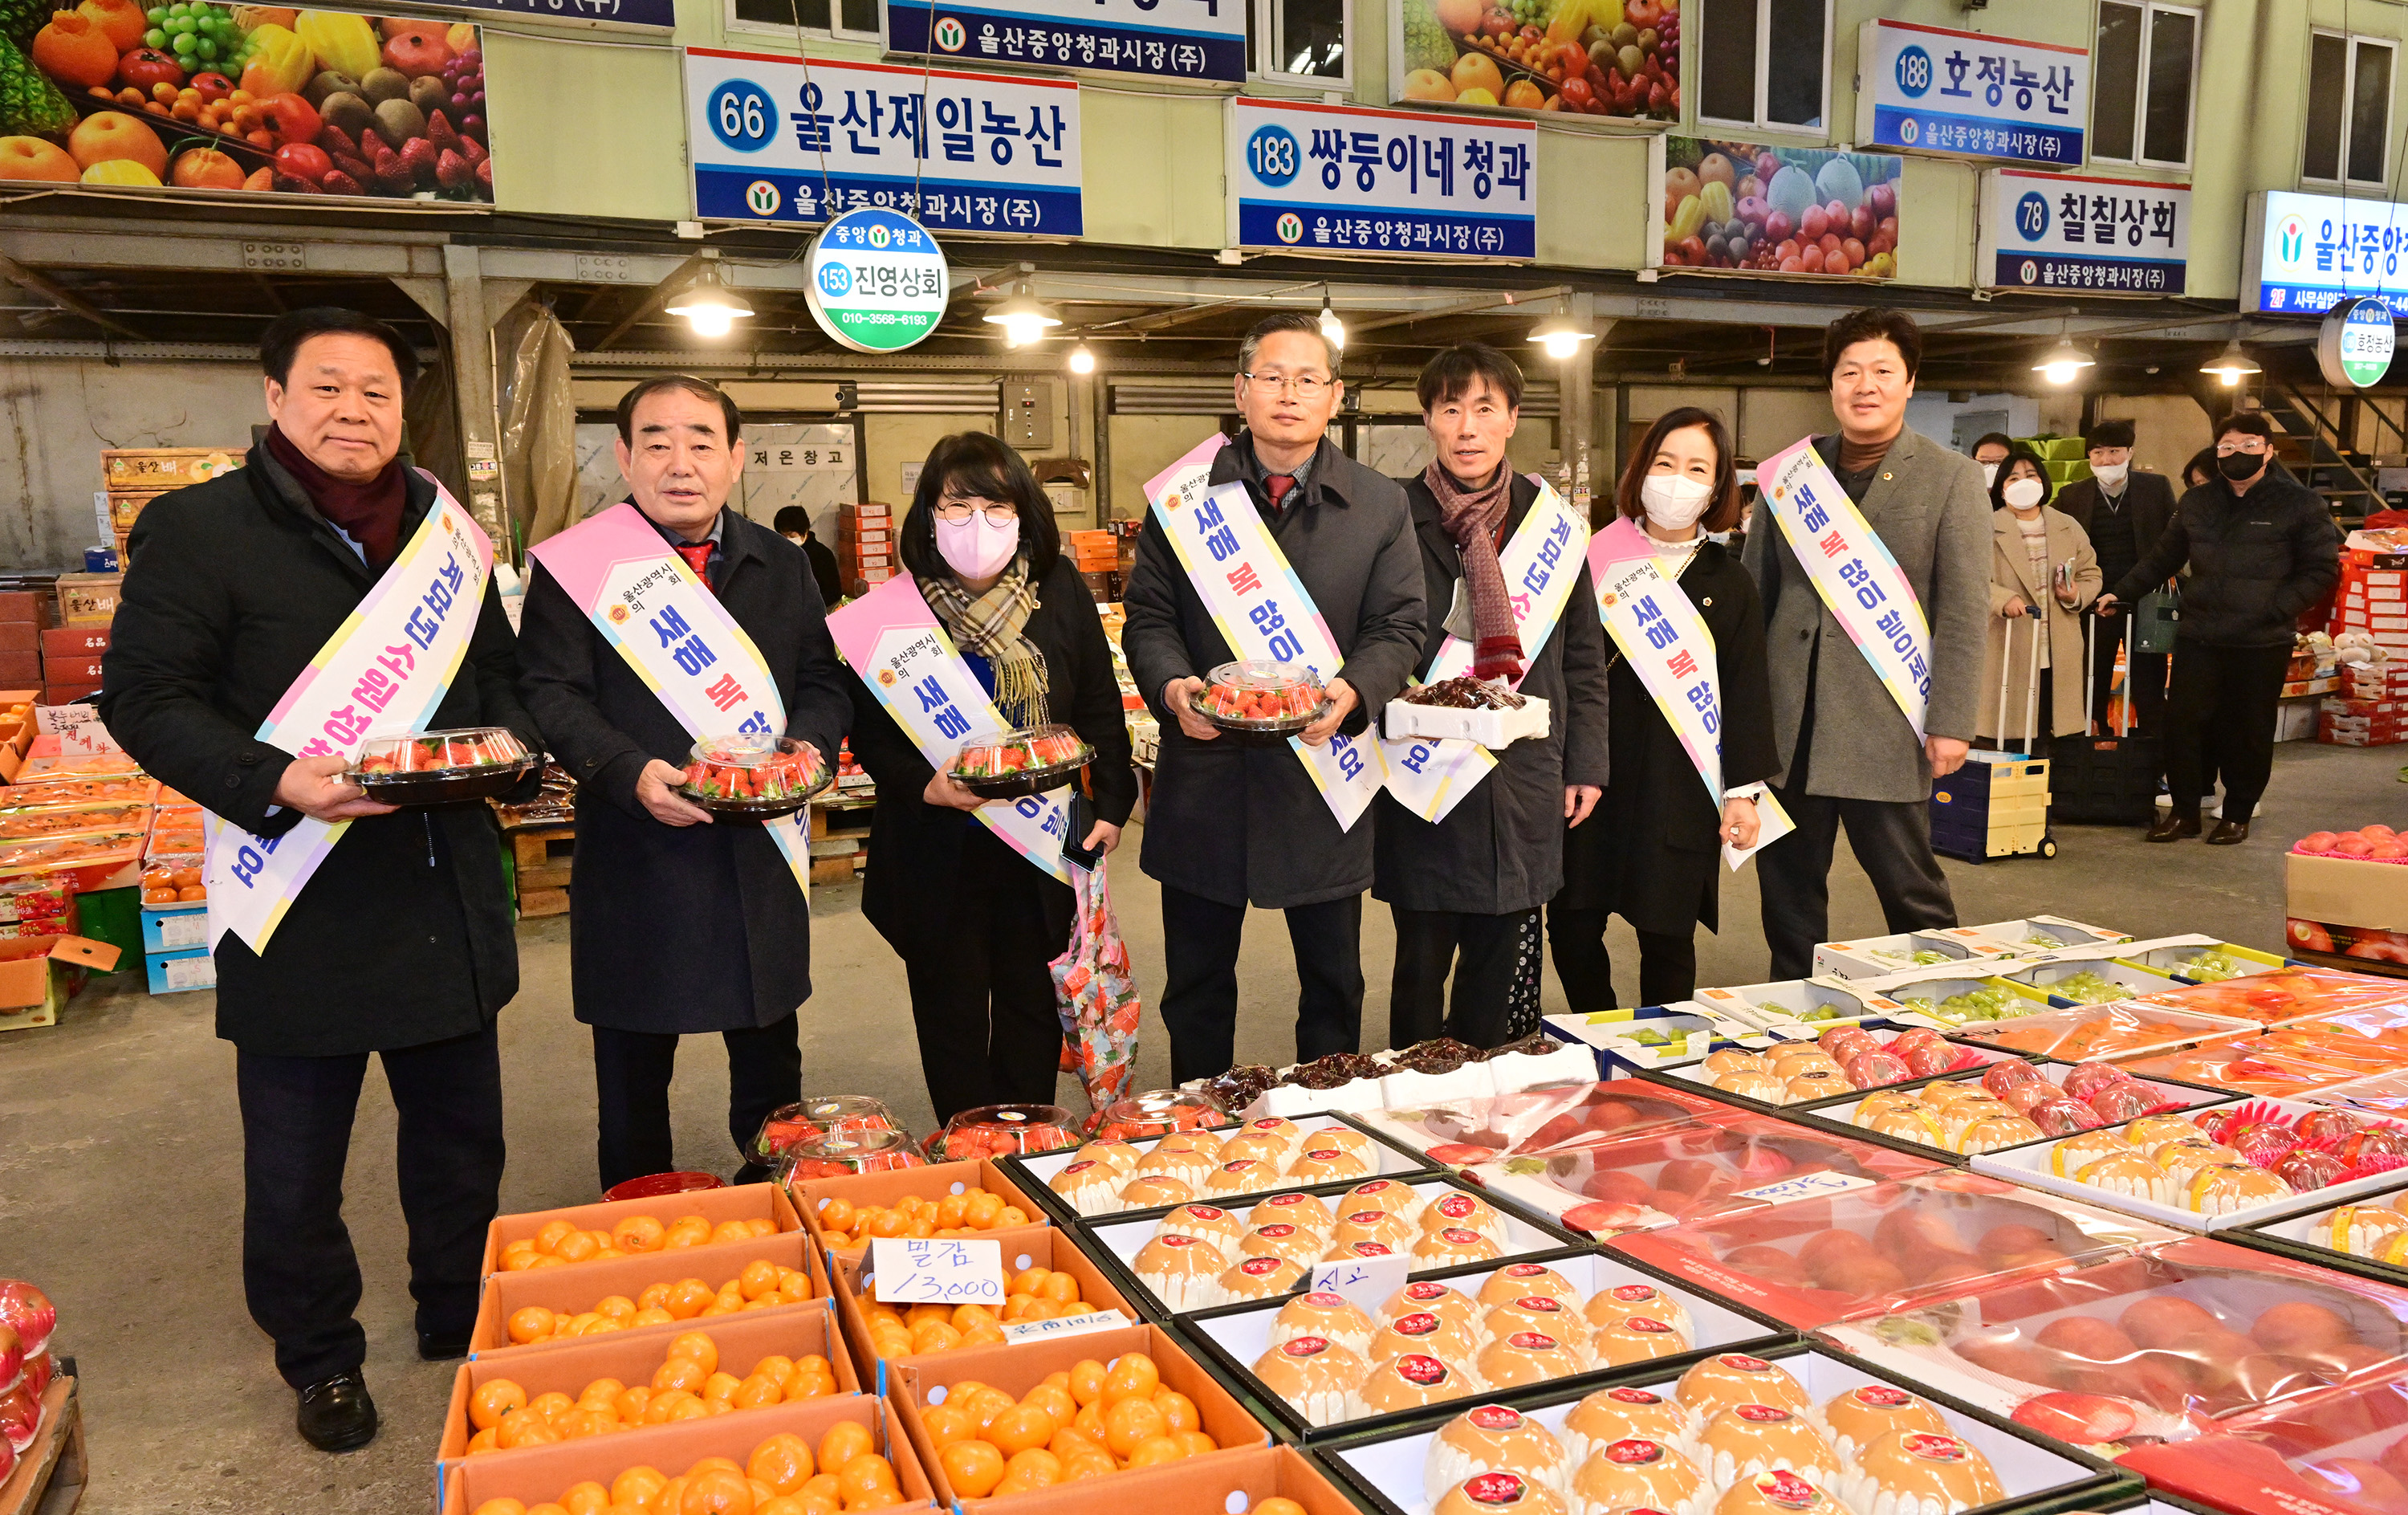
708,306
1559,336
1083,360
2059,364
1333,330
1024,317
2231,365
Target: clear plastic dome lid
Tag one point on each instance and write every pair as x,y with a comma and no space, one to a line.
439,752
1001,755
997,1130
1158,1113
754,766
790,1125
835,1152
1261,691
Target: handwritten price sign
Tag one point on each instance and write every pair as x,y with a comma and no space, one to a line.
904,1271
1065,1325
1364,1281
1805,1186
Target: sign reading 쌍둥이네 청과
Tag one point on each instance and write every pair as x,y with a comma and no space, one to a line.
1341,178
788,140
2043,231
1199,40
2306,254
1931,89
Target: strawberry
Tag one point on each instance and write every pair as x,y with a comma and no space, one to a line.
287,184
485,175
339,182
358,168
419,156
439,132
452,171
392,177
473,151
336,141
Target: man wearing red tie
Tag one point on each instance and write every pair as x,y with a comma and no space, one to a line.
678,923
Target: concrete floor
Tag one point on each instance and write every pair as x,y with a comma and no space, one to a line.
120,1182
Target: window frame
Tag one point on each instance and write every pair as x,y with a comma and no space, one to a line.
2350,42
1763,82
1263,19
733,23
2139,158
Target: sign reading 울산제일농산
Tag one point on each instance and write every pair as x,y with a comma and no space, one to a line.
1345,178
780,138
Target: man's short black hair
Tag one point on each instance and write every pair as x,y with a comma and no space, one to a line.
1296,321
1455,372
1986,437
792,518
699,388
2109,434
1895,327
2248,424
284,336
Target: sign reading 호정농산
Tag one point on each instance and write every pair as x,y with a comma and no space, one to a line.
1928,89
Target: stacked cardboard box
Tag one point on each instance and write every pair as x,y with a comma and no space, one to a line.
864,544
24,616
135,476
1098,557
2375,681
2373,598
72,644
2363,723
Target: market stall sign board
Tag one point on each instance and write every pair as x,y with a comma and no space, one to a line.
2354,346
2051,232
1337,178
650,15
1932,90
876,280
2307,252
1203,42
780,138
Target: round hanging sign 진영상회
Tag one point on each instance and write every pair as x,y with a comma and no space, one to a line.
876,280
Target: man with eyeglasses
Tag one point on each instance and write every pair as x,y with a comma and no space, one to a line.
1229,825
2262,549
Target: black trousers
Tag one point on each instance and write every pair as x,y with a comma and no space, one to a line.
1668,965
1484,955
1892,841
2221,710
299,1274
631,1085
989,1023
1199,1002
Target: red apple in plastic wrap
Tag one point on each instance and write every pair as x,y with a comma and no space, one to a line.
12,1353
29,1310
21,1417
39,1371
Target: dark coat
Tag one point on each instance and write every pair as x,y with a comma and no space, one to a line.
916,848
2148,505
1500,849
2256,561
1245,824
1651,851
696,928
404,934
823,569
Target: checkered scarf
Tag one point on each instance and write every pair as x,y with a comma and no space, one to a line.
995,626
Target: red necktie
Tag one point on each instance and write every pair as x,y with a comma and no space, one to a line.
698,557
1277,485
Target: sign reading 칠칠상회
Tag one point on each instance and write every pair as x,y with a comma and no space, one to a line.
2043,231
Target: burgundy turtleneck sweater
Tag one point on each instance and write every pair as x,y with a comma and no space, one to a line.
367,510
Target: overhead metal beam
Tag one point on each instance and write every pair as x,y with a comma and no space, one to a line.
1503,299
660,294
65,300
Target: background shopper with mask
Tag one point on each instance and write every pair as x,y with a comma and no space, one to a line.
1652,852
2123,511
2262,549
2041,573
974,921
1990,451
1466,892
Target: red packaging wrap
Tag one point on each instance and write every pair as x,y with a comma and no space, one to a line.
2342,1452
2285,994
1484,1129
2113,1032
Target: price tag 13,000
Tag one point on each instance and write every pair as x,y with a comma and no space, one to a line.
904,1271
1366,1282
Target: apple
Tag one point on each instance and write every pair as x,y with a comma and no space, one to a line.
2350,844
112,136
30,157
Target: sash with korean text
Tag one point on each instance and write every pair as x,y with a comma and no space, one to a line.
1429,776
1261,610
1671,648
1852,568
894,641
680,640
383,673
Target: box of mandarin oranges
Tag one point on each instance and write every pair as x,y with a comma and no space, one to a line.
1001,1422
618,1381
846,1212
1265,1480
654,1292
1043,1287
845,1453
615,1228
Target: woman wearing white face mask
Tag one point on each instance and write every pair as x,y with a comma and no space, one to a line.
974,921
1652,854
2041,573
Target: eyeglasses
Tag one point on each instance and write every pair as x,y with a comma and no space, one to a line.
2253,446
996,511
1304,386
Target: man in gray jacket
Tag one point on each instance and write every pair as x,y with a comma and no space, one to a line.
1852,754
1228,824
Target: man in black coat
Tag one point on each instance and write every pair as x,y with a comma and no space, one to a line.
400,944
2262,549
678,924
2124,513
793,523
1229,825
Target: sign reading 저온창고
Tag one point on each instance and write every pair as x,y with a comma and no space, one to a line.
1199,40
1341,178
2306,254
2043,231
1932,90
791,139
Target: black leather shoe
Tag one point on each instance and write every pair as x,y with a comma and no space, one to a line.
2228,833
337,1413
434,1349
2170,826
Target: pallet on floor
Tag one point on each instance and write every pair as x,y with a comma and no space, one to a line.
543,858
50,1476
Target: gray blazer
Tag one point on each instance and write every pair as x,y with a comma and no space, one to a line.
1929,506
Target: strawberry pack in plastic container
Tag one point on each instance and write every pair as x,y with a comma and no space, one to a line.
1879,1249
27,1319
2165,1344
1685,1173
2285,994
1484,1129
2341,1453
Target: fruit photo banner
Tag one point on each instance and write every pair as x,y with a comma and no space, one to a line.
265,100
1754,209
1617,58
